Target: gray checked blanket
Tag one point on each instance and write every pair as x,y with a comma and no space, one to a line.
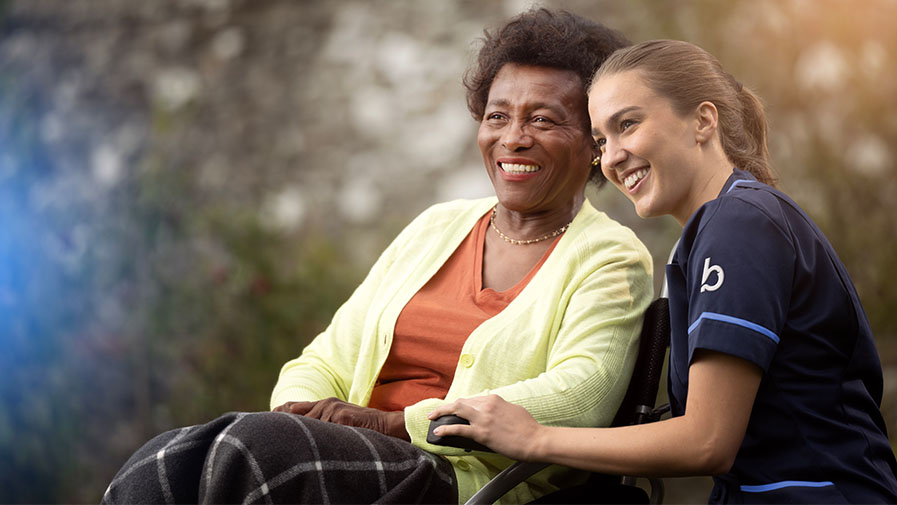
270,457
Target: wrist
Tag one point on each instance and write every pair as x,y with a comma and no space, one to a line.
396,421
537,448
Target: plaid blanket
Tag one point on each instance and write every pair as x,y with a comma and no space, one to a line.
272,457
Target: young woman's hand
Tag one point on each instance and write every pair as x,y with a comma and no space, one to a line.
503,427
337,411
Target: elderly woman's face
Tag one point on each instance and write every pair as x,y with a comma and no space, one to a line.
534,138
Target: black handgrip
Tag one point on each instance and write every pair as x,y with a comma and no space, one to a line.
655,338
468,444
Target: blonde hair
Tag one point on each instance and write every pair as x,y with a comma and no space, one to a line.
687,75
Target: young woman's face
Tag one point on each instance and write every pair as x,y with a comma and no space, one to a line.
648,150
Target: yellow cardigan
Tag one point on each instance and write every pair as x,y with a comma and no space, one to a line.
564,348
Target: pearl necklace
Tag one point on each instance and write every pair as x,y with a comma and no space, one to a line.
514,241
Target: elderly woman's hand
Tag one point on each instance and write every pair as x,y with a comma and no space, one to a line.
337,411
502,426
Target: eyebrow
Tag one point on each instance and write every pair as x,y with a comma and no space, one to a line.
616,116
501,102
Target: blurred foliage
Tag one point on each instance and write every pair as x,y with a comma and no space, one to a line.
153,310
189,188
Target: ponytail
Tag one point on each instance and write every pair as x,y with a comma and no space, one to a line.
750,151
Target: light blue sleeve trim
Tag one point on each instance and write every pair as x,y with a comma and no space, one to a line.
733,320
736,183
785,483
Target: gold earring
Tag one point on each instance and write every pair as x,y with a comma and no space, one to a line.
596,161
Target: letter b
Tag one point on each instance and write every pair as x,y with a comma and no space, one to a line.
708,269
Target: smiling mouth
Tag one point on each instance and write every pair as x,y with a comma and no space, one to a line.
516,168
632,179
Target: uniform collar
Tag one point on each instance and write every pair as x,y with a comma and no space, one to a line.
738,177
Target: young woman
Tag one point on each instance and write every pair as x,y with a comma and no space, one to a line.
774,379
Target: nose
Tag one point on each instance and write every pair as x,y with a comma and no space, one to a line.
515,137
612,155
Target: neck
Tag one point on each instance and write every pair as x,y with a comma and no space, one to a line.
706,187
525,225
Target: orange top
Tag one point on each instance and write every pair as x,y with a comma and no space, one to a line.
433,326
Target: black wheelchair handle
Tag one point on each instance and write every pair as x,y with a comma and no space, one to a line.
465,443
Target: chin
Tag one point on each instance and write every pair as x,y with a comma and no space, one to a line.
644,212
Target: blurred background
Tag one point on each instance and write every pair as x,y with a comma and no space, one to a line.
189,188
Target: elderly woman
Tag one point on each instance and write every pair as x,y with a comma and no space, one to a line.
532,295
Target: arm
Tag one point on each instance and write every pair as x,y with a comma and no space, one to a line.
704,441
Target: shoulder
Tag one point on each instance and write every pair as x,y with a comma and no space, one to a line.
745,213
600,229
596,237
748,225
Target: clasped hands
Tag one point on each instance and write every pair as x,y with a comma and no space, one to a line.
334,410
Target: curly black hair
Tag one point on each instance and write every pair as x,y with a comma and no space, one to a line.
543,38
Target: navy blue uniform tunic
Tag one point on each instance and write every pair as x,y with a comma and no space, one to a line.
755,278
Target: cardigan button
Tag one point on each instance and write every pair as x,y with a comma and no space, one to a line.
466,360
463,465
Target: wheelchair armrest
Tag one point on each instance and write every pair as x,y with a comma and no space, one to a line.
465,443
505,481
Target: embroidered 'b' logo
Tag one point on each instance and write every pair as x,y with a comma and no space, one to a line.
708,269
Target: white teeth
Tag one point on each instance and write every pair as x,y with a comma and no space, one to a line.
634,177
515,168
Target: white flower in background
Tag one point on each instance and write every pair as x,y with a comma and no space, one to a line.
448,131
228,44
284,210
360,201
822,67
868,155
175,87
106,165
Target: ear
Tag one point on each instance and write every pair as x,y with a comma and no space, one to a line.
596,151
707,121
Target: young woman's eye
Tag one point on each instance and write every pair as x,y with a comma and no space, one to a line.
601,143
625,124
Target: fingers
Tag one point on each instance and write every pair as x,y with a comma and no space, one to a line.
468,408
325,409
300,408
443,410
461,408
313,409
471,409
461,430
